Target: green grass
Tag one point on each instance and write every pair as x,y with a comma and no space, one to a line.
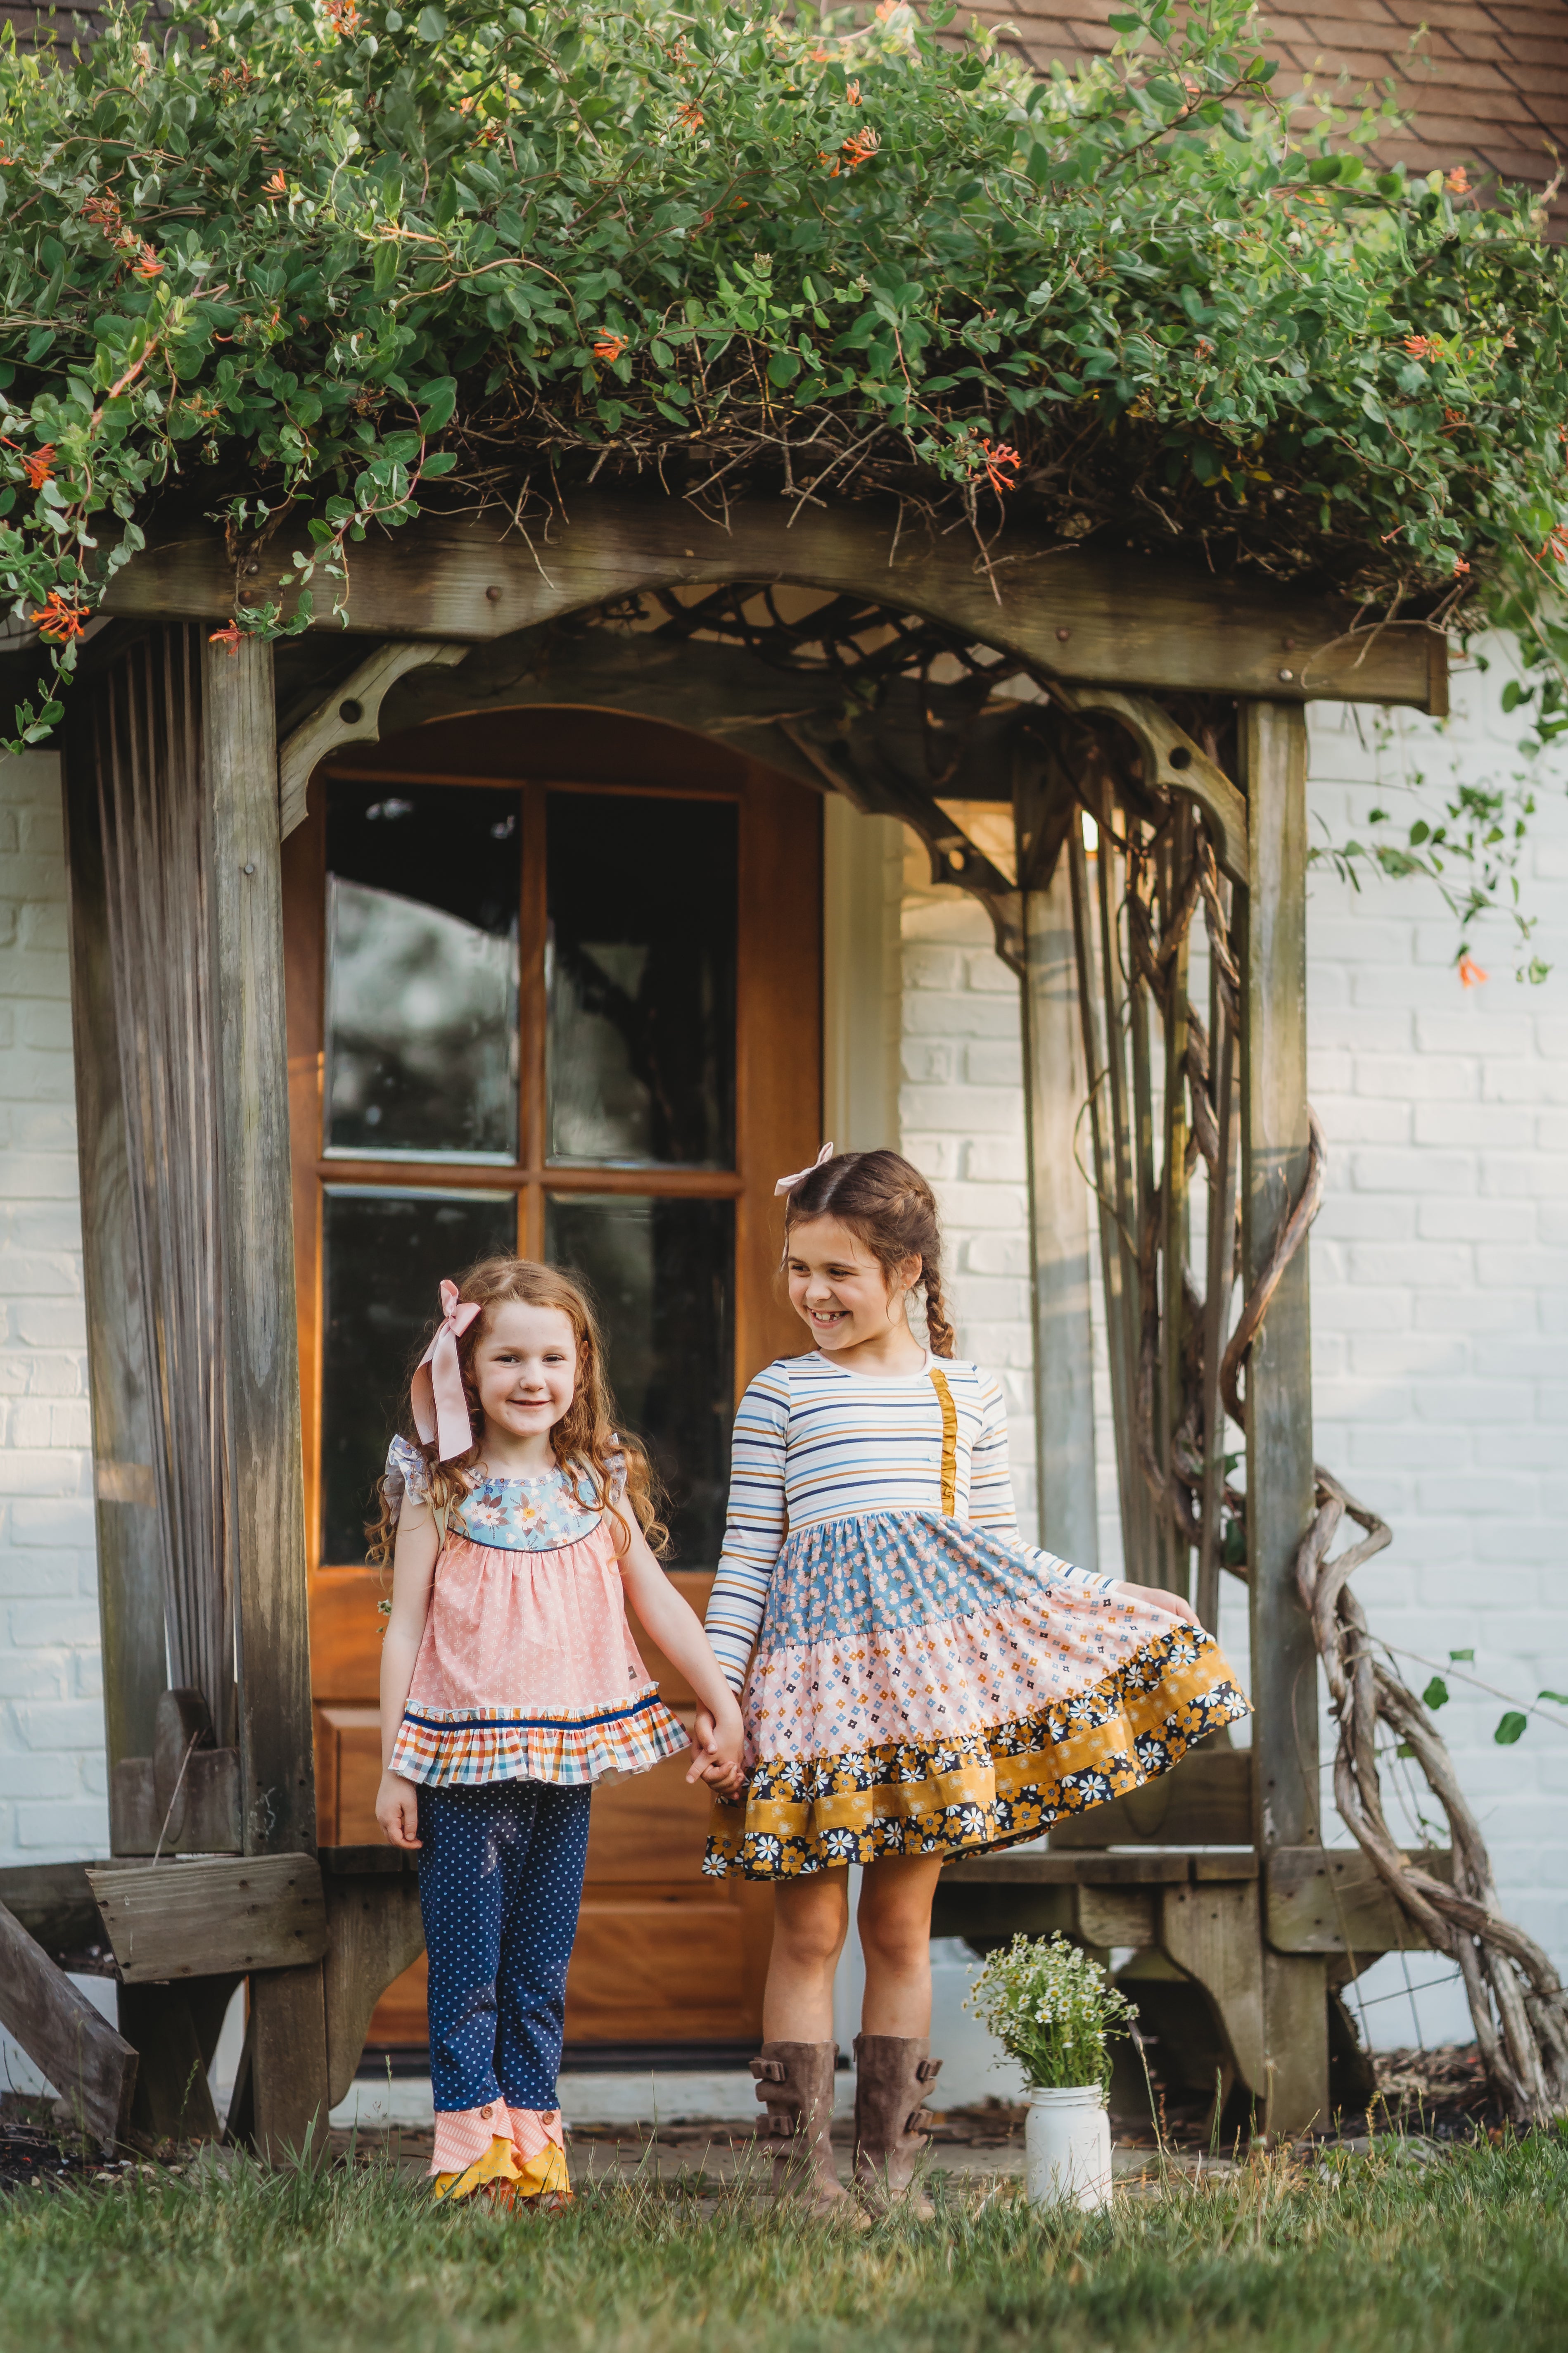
1365,2255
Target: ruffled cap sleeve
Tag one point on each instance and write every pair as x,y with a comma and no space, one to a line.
408,1474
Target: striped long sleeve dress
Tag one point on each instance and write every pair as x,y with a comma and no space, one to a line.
914,1678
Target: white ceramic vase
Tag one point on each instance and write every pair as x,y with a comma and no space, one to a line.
1067,2147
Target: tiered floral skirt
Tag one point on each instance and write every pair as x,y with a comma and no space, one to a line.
920,1686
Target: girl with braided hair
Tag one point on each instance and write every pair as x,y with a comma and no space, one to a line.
916,1682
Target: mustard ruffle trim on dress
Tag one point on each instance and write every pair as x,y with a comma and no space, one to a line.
544,2175
984,1789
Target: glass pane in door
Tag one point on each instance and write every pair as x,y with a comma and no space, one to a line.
661,1272
386,1255
423,892
641,980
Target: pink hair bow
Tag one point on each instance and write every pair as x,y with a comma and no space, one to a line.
440,1407
788,1184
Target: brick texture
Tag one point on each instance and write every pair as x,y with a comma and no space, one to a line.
51,1718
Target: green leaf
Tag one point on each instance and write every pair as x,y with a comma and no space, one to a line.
1559,1699
431,24
1437,1693
1459,1658
1508,1730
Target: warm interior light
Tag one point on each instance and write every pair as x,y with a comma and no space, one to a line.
1090,834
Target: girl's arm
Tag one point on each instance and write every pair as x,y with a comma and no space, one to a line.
754,1523
413,1573
672,1623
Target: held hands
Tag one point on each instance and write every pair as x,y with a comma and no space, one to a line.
717,1742
1154,1597
397,1809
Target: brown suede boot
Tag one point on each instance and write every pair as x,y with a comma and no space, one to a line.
892,2072
795,2079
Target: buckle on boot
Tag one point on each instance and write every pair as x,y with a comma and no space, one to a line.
927,2070
767,2070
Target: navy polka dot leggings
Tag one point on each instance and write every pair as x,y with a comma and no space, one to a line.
501,1879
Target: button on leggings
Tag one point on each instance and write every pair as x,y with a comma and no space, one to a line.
500,1878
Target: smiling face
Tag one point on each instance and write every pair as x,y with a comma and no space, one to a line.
840,1290
525,1370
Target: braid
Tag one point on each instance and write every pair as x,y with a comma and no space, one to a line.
939,1329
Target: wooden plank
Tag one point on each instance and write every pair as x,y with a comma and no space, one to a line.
288,2071
1118,621
173,1920
53,1902
1055,1088
240,757
1205,1800
90,2067
1012,1869
1332,1900
1212,1933
373,1933
130,1586
1278,1378
1118,1915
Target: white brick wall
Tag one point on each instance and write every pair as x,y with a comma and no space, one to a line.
51,1718
1439,1262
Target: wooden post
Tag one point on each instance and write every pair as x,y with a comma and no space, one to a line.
1279,1482
130,1586
287,2038
1054,1090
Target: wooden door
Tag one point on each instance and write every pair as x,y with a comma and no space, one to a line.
554,984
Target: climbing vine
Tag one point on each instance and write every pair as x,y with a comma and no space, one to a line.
335,260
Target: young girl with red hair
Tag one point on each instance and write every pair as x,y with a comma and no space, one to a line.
519,1526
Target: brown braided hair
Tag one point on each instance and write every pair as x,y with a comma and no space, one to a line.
887,1203
587,1436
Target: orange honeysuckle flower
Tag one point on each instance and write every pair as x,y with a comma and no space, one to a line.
852,93
57,620
276,186
886,9
609,349
1420,347
1556,548
1002,465
1452,417
1457,182
38,466
229,636
690,116
1470,973
861,146
342,16
149,265
1460,567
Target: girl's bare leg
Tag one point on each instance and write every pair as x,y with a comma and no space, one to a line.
894,1920
811,1917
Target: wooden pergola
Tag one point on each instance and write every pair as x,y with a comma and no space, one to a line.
1167,705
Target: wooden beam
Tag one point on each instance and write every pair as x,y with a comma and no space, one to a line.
1330,1900
287,2034
1055,1092
203,1918
374,1933
1167,1867
1280,1480
129,1583
1120,621
1212,1933
54,1903
92,2067
240,758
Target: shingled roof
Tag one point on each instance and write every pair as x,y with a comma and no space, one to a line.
1485,81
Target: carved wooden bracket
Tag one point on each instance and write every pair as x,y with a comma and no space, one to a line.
351,714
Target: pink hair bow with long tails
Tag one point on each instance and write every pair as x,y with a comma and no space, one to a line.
440,1407
788,1184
